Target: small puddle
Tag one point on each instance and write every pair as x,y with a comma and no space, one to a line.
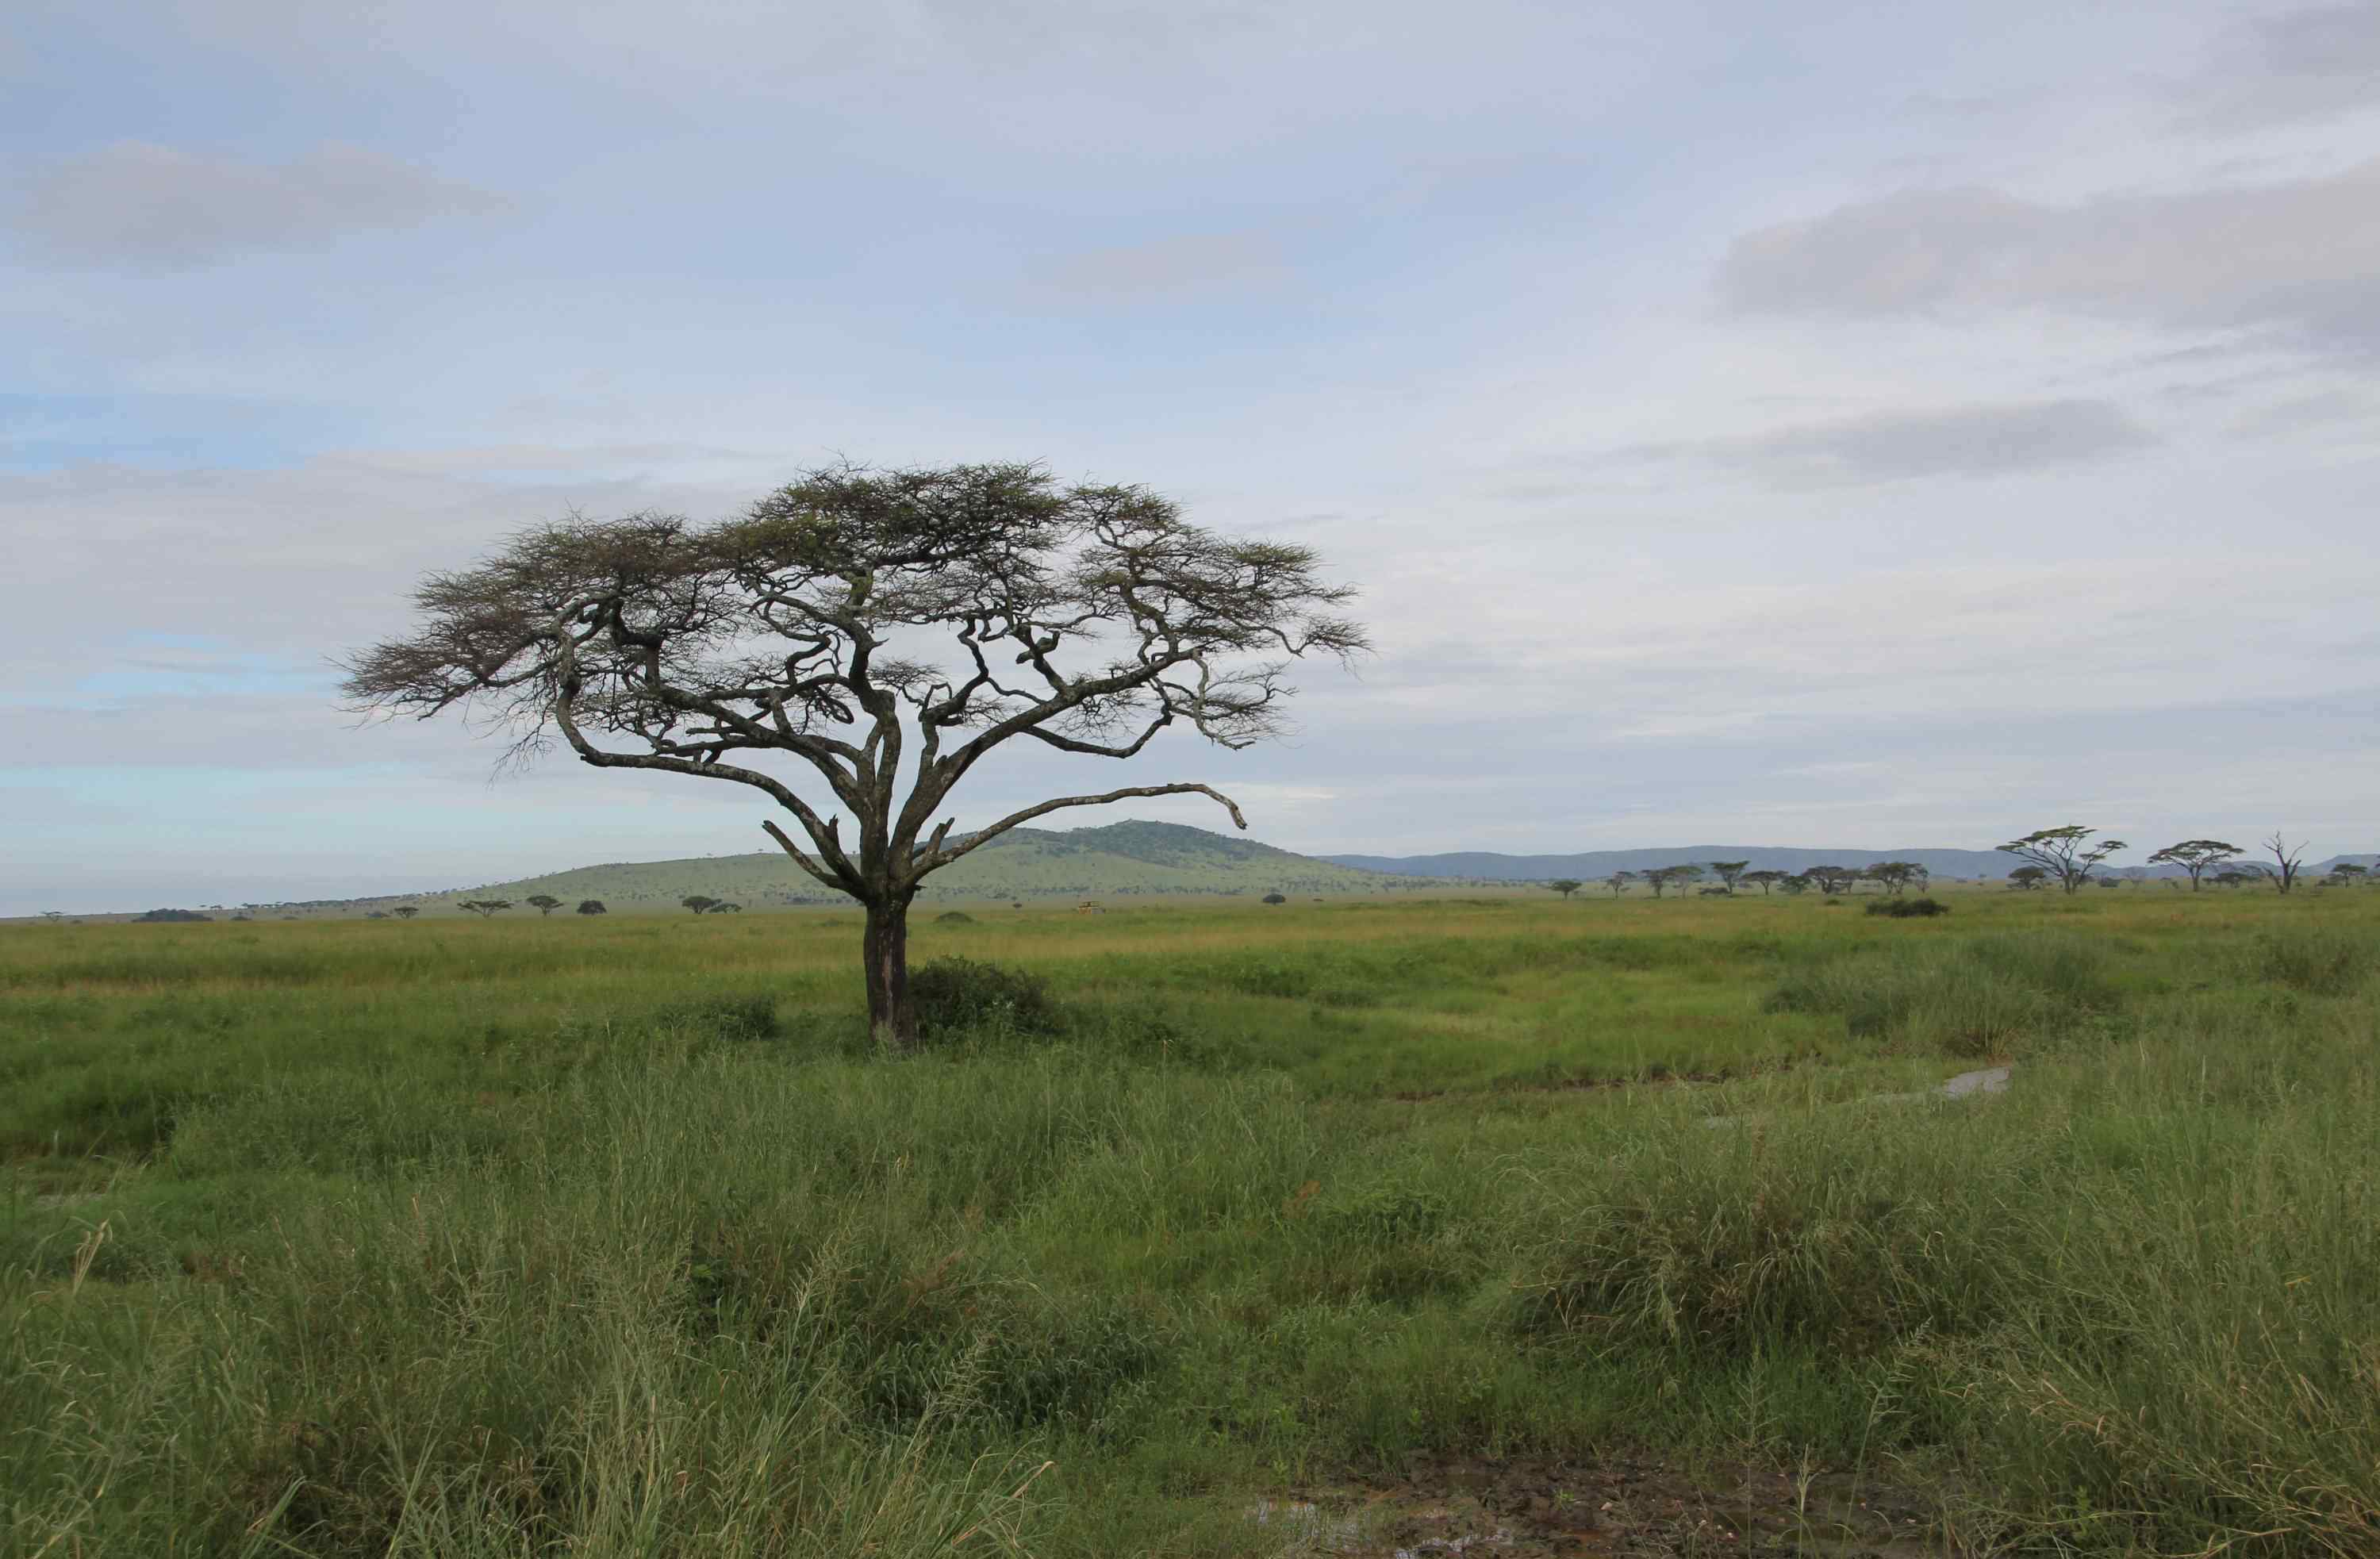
1966,1085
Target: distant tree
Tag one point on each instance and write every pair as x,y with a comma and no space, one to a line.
1729,872
2232,878
1677,877
544,903
1618,882
1895,876
483,908
2025,879
54,916
701,903
725,907
1275,898
1565,885
2195,856
2106,882
376,915
884,632
1797,884
2067,853
1765,879
165,917
592,907
1831,880
2286,856
406,912
2346,873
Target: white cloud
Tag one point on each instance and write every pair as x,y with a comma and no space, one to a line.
2300,256
1960,442
1164,269
139,206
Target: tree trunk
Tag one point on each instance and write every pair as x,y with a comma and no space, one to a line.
887,955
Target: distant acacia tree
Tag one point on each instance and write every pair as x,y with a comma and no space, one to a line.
2286,856
1276,898
1729,873
54,916
1763,880
1797,884
406,912
1677,877
1565,885
592,907
2025,879
1895,876
1618,882
544,903
2068,854
2346,874
483,908
2233,877
874,627
376,915
701,903
2195,856
1831,880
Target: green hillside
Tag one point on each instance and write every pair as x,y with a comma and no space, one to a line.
1120,861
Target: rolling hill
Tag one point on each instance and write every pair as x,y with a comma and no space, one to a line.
1117,861
1593,865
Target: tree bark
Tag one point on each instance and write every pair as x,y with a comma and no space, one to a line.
886,952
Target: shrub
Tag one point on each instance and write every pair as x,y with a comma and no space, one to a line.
2321,962
954,918
1275,898
953,995
1966,1000
1903,908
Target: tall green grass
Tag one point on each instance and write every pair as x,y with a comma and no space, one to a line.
674,1266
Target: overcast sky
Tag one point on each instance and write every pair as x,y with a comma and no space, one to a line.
1822,424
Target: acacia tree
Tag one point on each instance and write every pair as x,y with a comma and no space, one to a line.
2346,873
2195,855
2067,853
1671,877
2025,879
1831,880
483,908
1565,885
1765,879
1730,872
701,903
887,631
544,903
2286,856
406,912
1618,882
1896,875
592,907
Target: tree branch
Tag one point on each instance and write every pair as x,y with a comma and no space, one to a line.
938,858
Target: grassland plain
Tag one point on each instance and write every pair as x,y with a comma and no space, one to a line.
1315,1227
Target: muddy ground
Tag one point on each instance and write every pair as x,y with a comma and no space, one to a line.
1608,1506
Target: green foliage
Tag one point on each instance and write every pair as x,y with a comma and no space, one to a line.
957,996
1905,908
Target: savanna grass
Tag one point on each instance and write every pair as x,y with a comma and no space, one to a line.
614,1238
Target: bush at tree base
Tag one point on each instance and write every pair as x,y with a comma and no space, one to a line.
951,995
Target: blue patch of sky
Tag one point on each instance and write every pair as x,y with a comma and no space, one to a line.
42,431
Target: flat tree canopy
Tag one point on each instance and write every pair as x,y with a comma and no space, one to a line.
872,628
